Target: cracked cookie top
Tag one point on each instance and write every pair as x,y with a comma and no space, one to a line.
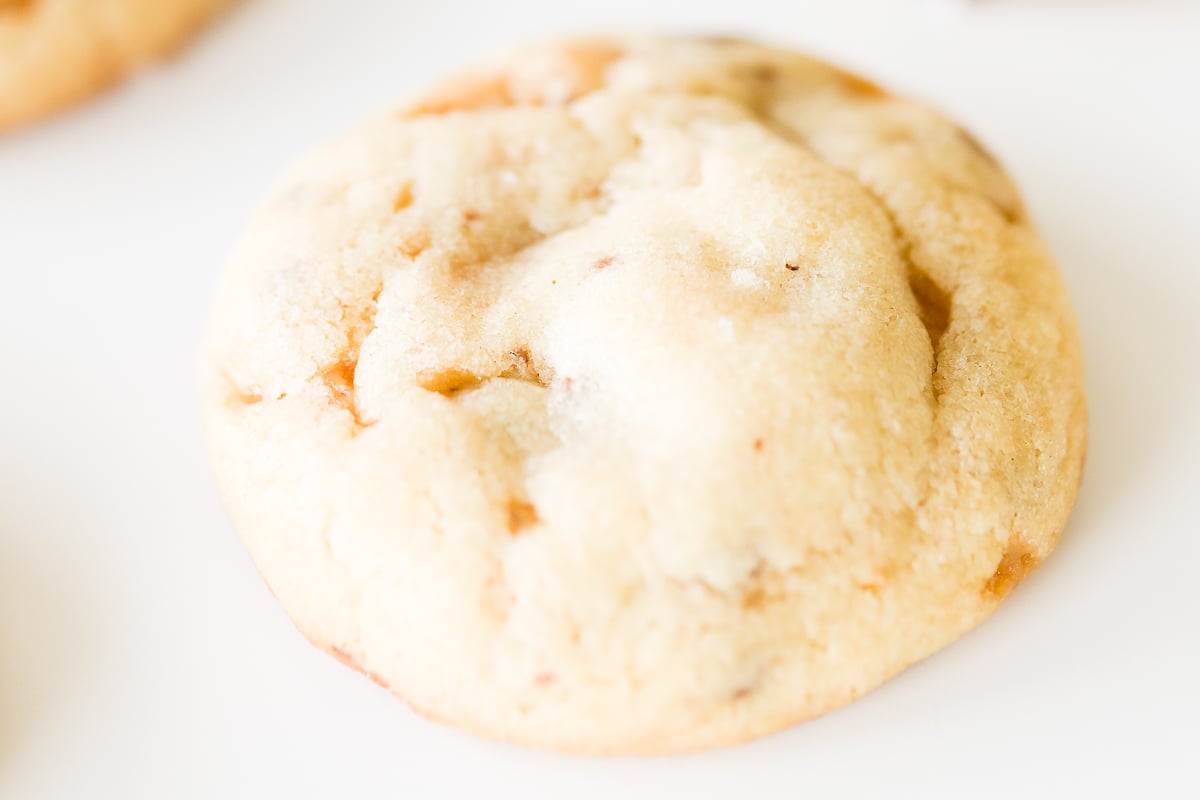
643,394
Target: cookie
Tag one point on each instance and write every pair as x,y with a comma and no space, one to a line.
643,395
56,52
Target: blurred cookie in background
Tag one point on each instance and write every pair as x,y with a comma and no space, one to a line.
54,53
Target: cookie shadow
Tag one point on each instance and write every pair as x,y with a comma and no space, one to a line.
1133,332
40,626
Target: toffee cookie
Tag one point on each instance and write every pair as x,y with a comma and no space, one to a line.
56,52
643,395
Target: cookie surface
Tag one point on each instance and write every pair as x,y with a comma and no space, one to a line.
56,52
643,395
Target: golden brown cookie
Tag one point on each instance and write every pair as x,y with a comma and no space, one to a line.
56,52
641,395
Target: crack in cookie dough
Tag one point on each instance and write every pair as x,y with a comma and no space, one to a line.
453,381
647,394
934,303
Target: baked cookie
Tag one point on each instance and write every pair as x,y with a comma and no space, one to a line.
642,395
56,52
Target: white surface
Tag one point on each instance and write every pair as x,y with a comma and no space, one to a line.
141,657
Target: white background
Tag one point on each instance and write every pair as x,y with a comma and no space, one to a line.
140,655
